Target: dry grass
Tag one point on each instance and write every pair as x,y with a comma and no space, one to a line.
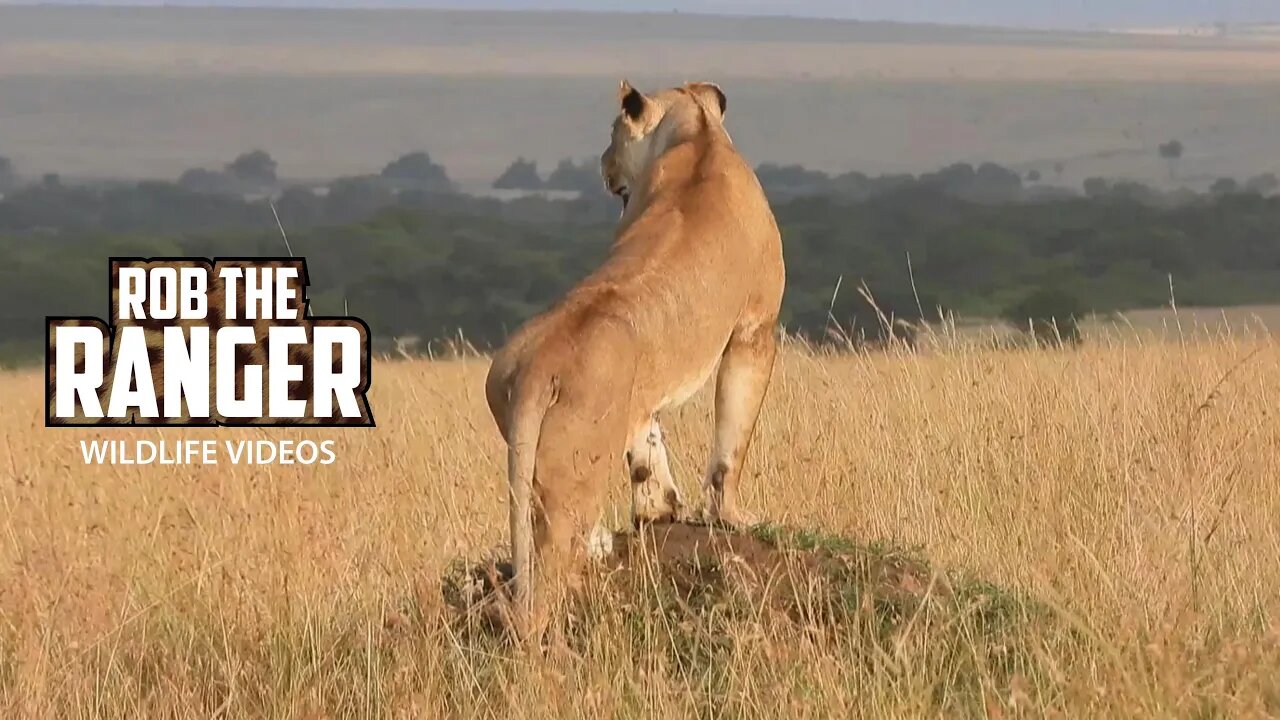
1131,487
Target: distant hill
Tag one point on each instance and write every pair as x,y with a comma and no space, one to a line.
106,92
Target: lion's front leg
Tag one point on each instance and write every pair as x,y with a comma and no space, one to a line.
654,495
745,371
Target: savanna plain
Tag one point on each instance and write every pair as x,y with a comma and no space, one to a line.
1115,504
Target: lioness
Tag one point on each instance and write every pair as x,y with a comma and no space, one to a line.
694,279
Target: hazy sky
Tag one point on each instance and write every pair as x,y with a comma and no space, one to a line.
1037,13
1074,13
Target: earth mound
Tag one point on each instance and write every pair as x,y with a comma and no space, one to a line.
804,577
698,607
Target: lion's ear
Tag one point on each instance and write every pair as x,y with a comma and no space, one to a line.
632,100
711,94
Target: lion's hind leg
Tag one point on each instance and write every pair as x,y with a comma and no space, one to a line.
577,453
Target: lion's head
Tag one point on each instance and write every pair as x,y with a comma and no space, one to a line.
647,125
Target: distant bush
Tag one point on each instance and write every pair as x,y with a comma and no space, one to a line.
581,177
419,171
520,175
211,182
8,176
1049,313
255,167
1264,184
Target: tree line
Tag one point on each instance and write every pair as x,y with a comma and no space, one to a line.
416,260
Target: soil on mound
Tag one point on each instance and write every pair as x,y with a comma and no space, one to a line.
690,568
783,566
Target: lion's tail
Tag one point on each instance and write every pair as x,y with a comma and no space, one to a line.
529,406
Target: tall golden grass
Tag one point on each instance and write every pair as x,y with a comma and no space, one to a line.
1132,487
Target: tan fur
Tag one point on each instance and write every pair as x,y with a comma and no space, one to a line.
693,281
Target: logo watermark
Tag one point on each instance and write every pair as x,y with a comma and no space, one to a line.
196,342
